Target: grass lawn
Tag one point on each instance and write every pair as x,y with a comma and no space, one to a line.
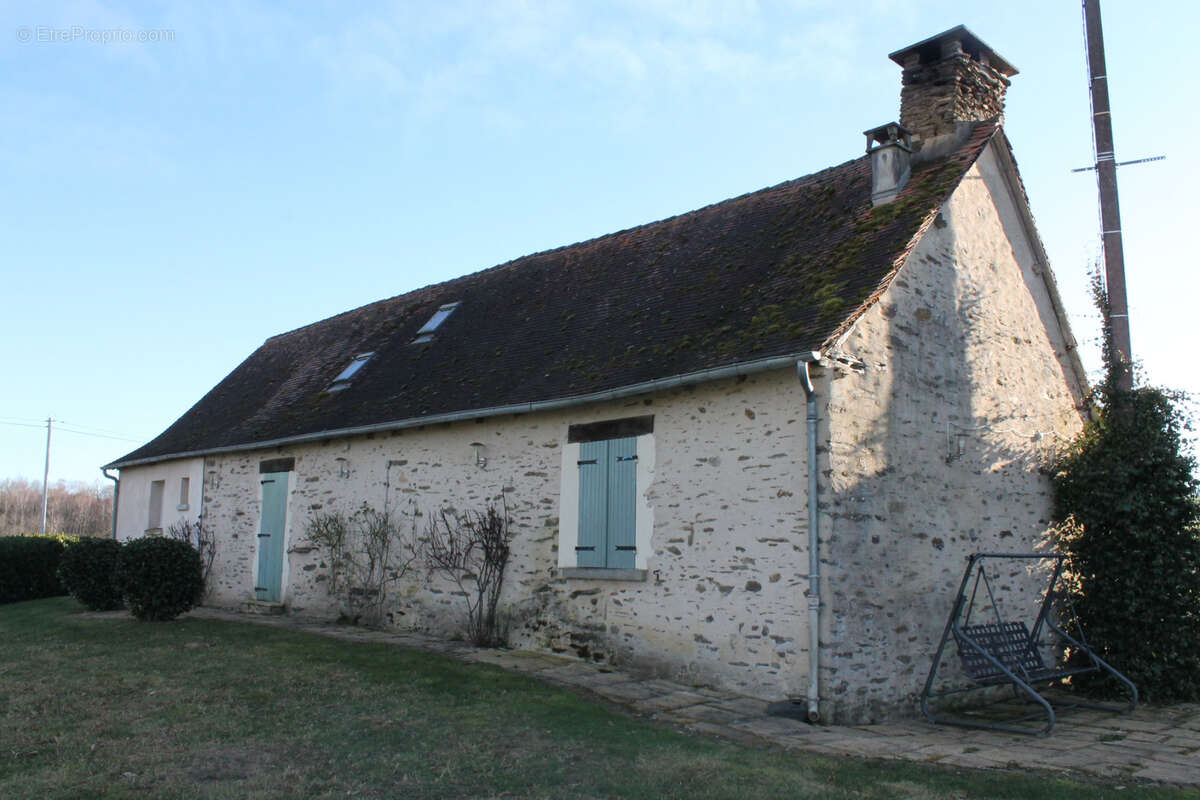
103,707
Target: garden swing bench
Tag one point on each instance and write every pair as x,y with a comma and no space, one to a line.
1004,651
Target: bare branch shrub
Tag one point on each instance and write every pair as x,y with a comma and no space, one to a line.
199,537
366,554
472,549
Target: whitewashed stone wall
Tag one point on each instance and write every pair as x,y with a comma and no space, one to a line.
953,390
133,504
722,598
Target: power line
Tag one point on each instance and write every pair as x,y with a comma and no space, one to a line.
38,422
94,429
98,435
75,431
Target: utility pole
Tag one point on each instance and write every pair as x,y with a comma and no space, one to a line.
46,476
1110,211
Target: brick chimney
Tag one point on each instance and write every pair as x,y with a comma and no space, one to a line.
950,78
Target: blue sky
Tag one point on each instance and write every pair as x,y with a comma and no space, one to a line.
182,181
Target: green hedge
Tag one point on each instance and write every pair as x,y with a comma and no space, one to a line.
87,570
1128,484
29,567
159,578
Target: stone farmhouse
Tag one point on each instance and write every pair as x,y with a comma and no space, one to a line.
750,445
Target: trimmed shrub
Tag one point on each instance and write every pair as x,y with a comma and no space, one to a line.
87,569
159,578
29,566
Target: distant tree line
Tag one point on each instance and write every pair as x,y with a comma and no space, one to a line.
76,508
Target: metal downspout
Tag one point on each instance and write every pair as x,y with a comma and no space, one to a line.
200,518
116,498
814,555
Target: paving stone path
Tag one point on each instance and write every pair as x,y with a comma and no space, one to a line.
1152,744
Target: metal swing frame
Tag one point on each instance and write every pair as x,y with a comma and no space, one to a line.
1007,651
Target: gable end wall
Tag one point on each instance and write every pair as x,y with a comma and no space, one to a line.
957,391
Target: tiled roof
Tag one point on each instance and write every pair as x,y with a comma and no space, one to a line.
775,272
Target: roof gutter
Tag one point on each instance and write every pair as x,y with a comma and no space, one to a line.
656,385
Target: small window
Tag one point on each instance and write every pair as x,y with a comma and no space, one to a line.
344,377
184,488
154,518
439,316
605,518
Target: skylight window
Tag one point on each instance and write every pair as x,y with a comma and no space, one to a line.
345,376
439,316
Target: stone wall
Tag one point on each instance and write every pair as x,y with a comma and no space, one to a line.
954,89
950,394
722,599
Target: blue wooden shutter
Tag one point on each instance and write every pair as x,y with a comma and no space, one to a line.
622,503
593,493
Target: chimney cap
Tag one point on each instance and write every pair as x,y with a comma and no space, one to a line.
891,133
932,49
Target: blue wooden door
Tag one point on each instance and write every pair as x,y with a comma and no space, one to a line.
270,536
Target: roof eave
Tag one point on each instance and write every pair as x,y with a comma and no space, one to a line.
658,384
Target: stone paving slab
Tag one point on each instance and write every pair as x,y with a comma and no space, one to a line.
743,706
518,660
767,727
570,672
1168,773
671,701
708,712
711,729
607,677
666,687
629,693
1151,744
1130,723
